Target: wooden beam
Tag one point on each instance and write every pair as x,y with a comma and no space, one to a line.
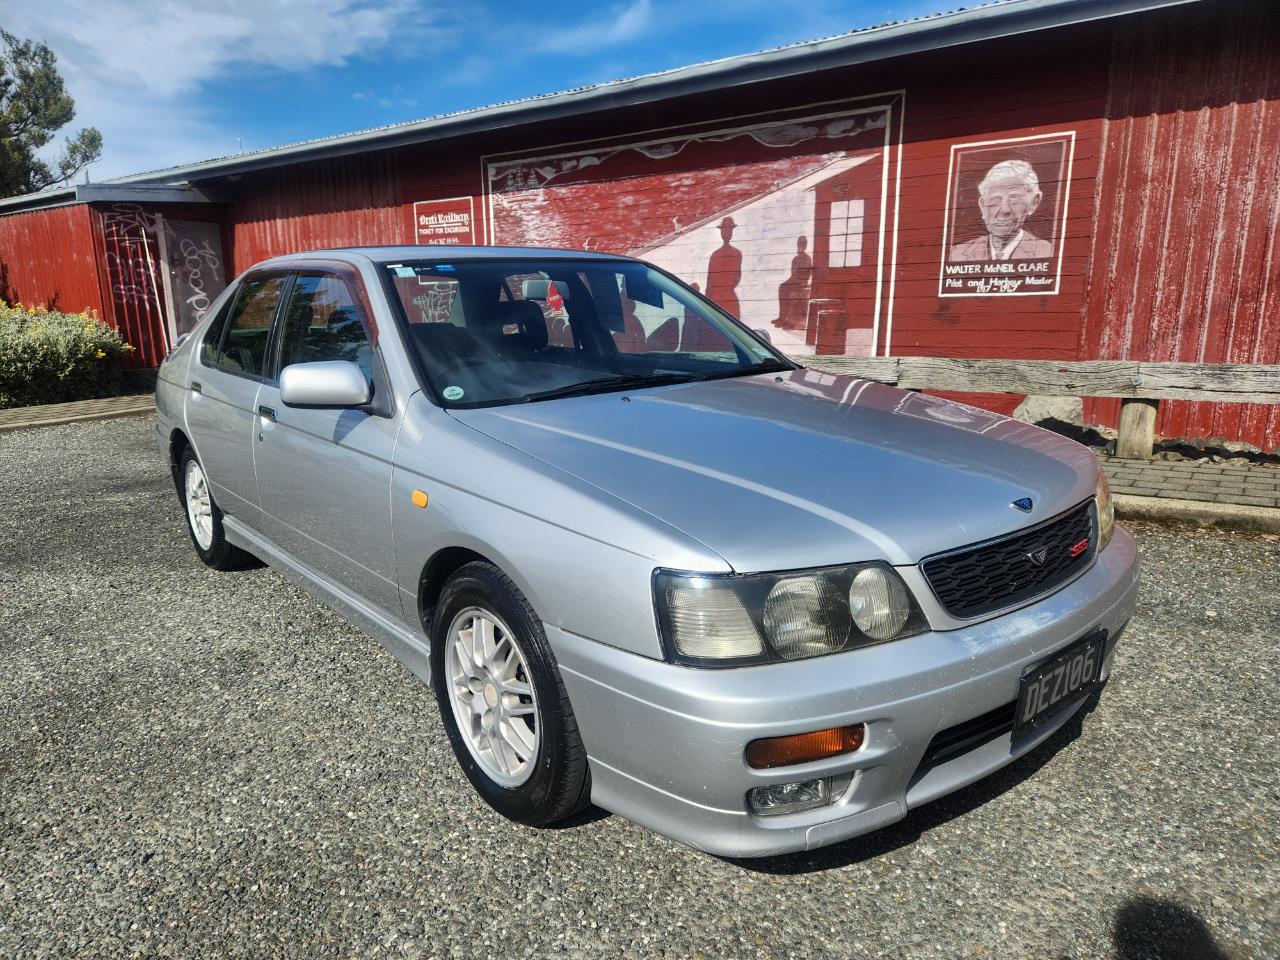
1107,378
1136,436
1235,383
1228,382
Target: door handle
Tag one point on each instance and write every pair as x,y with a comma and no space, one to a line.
267,413
195,387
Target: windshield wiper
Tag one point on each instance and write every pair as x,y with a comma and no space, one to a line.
623,381
764,366
604,384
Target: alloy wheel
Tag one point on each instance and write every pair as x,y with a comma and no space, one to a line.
199,505
493,700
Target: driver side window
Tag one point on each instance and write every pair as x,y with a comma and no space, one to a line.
322,322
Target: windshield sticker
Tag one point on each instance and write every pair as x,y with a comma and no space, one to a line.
452,393
404,272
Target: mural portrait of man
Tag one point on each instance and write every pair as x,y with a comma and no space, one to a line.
1005,216
1007,196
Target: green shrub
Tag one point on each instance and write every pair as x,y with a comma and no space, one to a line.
51,357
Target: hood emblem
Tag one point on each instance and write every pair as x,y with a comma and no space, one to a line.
1038,555
1023,503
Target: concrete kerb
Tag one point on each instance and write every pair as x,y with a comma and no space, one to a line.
1227,516
27,418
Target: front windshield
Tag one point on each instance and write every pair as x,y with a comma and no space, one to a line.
517,331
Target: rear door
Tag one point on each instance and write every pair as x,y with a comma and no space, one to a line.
223,389
324,475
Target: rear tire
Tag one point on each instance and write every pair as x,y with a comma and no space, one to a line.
204,519
503,704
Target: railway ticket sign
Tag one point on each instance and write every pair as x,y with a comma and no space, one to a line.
448,222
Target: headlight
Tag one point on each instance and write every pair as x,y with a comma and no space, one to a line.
728,620
879,603
1106,511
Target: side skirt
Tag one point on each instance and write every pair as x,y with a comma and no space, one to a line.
410,648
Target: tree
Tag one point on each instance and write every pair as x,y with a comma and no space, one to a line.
34,105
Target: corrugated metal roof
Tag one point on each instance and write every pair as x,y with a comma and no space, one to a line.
883,41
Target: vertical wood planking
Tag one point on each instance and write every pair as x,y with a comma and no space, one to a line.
1183,261
47,257
348,202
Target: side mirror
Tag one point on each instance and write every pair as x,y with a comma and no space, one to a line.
763,334
326,383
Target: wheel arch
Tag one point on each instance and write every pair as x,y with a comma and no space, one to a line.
443,564
446,561
179,442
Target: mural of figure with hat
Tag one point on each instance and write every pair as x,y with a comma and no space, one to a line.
724,270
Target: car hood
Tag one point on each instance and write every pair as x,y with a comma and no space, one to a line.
804,468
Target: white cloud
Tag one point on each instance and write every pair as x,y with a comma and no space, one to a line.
136,68
613,27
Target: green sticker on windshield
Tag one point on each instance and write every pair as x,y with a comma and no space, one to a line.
452,393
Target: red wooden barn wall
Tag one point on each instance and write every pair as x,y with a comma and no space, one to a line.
336,203
47,257
954,96
1167,246
1185,258
1167,250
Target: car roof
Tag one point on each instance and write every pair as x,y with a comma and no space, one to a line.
408,253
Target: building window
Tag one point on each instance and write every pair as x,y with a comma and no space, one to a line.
846,233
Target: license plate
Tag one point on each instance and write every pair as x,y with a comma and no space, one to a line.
1051,686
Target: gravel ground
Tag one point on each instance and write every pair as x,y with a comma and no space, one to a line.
205,764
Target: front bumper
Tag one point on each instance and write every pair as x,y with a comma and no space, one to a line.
666,742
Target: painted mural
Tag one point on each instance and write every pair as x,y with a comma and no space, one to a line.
1006,214
784,221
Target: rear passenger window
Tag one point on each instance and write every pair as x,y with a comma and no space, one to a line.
213,337
244,345
322,323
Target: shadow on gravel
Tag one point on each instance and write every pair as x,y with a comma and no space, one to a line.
1148,928
908,831
591,814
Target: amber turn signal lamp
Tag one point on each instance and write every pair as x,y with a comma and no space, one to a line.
419,498
804,747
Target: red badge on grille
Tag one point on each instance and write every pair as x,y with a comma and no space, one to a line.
1080,547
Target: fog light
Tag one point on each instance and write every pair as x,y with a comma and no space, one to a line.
804,747
781,798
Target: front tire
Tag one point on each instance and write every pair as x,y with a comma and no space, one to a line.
204,519
502,702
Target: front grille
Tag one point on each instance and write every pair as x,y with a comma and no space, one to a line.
1001,573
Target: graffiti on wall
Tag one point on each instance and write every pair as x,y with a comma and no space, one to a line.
1006,215
193,261
785,221
129,233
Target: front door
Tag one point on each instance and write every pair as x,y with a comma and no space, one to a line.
223,391
324,476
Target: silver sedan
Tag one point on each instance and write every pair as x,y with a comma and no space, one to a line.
644,560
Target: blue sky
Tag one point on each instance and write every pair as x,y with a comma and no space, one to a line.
171,82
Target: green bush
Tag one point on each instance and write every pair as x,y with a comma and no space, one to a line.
51,357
